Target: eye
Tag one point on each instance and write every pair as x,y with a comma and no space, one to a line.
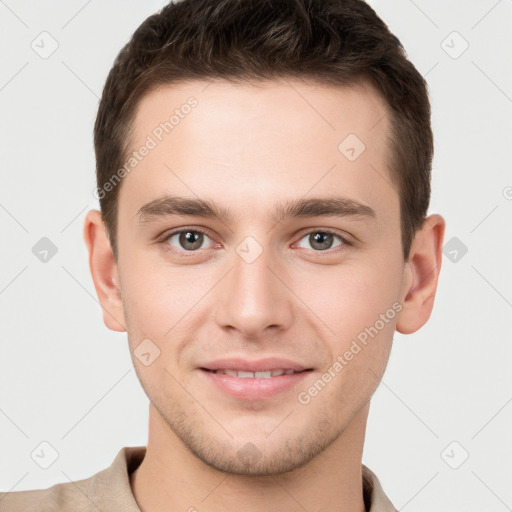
192,240
321,240
189,240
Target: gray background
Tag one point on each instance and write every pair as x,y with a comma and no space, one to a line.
66,380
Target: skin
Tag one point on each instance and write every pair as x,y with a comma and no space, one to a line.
250,147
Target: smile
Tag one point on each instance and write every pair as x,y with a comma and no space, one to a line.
258,375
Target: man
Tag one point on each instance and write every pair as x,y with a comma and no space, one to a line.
263,171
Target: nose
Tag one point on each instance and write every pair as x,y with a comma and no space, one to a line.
254,298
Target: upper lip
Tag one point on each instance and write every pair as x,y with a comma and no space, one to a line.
258,365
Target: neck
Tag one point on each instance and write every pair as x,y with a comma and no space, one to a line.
171,477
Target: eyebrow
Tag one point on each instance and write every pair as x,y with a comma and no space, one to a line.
333,206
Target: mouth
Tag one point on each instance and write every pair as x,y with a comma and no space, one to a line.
263,374
254,379
255,386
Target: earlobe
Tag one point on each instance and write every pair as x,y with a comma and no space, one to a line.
104,271
422,274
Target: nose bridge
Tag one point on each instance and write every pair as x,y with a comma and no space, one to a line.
252,297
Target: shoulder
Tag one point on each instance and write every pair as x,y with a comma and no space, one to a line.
107,490
59,497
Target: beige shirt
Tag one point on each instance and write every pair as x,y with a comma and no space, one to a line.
109,491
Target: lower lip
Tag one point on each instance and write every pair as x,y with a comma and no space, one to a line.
254,389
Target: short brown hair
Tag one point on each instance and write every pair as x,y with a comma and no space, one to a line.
333,42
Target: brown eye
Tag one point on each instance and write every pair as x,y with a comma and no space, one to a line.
188,240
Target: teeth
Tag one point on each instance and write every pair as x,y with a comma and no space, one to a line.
259,375
245,375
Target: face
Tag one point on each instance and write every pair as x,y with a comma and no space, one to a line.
288,247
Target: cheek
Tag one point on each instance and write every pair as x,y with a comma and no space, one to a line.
350,297
158,295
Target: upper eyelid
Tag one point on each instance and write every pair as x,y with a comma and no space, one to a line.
332,231
168,234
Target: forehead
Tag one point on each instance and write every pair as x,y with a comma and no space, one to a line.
301,107
259,140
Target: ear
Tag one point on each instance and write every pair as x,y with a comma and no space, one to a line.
104,271
421,275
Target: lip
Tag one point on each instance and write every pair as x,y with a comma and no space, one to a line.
259,365
253,389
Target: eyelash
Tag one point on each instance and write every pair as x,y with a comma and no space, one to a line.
164,238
